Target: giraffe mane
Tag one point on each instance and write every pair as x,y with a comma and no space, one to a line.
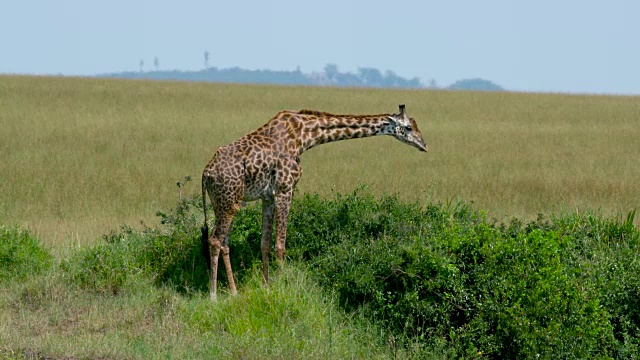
313,112
326,114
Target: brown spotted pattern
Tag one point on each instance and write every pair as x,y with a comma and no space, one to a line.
265,164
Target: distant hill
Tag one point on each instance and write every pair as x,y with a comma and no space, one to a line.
330,76
475,84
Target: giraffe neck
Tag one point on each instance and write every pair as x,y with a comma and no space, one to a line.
321,128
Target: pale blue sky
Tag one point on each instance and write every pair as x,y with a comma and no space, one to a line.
544,45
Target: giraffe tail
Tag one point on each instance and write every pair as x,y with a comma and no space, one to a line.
206,251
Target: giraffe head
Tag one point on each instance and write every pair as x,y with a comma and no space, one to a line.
405,129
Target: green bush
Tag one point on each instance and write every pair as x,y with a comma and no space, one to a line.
606,255
316,224
21,254
443,273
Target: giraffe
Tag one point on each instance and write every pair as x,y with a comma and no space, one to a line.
265,164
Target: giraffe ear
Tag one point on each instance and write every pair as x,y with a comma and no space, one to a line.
402,113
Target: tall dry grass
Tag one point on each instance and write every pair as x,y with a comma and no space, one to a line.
81,156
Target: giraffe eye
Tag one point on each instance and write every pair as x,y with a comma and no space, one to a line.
408,127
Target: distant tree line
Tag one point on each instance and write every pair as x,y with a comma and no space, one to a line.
475,84
367,77
330,76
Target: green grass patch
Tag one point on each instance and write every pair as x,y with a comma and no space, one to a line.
21,254
292,317
48,316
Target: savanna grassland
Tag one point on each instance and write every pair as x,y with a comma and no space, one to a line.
439,255
81,156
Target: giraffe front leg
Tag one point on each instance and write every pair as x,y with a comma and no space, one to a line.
268,208
283,203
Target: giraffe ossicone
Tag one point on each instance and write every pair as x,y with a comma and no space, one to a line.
265,165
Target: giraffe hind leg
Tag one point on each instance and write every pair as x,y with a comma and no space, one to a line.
215,244
219,242
227,264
